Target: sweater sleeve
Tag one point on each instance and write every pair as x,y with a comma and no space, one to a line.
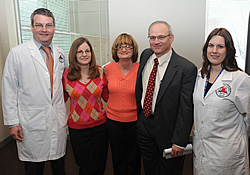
64,81
105,92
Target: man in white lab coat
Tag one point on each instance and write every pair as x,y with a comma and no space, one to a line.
33,100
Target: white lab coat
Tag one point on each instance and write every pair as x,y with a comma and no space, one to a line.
26,99
220,138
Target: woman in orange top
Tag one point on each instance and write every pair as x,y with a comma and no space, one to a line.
121,106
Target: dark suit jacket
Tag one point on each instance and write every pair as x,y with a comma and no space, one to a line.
174,105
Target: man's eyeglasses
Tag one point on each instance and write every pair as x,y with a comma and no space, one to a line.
160,37
126,47
41,26
81,52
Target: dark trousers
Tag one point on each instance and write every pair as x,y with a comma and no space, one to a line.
90,148
153,161
125,151
36,168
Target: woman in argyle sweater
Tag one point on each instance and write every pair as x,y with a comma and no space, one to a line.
85,84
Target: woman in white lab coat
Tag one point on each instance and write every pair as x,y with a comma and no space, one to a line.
221,109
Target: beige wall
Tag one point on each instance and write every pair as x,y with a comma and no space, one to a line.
3,129
8,39
187,19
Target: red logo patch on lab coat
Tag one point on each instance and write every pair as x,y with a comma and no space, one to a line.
223,91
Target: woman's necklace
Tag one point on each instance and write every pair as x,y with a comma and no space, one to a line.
84,78
85,81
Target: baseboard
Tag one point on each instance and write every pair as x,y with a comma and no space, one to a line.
5,141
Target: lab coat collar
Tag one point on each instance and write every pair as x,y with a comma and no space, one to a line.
199,73
35,53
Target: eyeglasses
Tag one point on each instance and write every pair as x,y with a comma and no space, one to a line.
41,26
160,37
81,52
126,47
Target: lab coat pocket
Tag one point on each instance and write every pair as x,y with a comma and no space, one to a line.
34,125
35,120
61,114
223,153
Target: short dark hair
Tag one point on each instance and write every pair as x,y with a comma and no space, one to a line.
124,38
229,63
42,11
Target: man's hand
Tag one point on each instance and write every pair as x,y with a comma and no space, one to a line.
176,151
17,133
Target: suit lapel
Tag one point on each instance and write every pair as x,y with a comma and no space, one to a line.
168,76
143,60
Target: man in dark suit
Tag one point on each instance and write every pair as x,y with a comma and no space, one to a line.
168,122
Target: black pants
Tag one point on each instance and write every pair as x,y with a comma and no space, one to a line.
90,148
153,161
36,168
125,150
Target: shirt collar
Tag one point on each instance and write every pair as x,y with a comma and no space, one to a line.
39,45
162,59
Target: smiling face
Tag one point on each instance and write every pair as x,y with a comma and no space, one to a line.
83,54
124,51
161,44
216,50
43,29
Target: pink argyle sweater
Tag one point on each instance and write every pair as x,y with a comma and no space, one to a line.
86,108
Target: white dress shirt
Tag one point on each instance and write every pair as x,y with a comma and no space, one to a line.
162,67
